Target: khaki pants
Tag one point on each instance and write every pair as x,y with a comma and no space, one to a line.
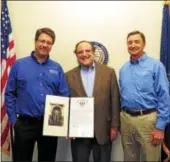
136,135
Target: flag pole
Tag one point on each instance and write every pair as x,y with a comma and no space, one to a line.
12,141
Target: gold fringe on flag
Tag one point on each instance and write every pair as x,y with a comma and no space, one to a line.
166,2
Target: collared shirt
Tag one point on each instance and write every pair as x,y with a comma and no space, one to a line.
144,85
88,76
28,84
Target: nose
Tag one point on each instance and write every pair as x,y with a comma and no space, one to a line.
45,44
83,53
133,44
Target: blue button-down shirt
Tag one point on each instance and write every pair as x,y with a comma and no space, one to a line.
28,84
144,85
88,76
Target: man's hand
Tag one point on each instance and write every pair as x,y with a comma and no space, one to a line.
157,136
113,133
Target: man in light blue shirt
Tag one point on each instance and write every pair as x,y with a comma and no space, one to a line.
145,102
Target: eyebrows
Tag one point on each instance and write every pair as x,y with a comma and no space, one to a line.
43,41
136,41
84,50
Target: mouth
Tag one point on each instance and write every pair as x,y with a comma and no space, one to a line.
85,57
44,50
133,50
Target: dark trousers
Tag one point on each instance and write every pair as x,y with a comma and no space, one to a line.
27,131
166,142
81,149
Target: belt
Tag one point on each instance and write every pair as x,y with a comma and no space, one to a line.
139,112
30,118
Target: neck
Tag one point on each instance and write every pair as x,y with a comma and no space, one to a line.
39,58
88,66
136,57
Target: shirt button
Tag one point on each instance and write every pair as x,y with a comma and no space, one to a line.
40,84
42,94
40,73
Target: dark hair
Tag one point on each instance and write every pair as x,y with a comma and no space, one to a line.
84,41
56,108
47,31
137,32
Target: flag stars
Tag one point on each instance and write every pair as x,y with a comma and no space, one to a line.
5,31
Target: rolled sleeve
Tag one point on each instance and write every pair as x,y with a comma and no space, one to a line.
162,90
10,95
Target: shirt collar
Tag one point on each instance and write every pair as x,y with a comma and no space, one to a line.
140,60
34,58
85,68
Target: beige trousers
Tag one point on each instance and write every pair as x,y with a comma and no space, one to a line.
136,135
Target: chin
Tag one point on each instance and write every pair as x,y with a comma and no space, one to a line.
134,54
43,54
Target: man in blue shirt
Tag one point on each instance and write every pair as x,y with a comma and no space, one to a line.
30,80
145,102
90,79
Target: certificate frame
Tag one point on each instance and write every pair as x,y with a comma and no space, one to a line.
70,122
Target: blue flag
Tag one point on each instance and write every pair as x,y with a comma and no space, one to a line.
165,59
165,39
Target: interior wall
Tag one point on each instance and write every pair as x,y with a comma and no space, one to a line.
107,22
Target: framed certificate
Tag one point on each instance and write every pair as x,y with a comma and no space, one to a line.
69,117
81,123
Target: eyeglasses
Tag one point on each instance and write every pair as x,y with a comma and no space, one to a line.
84,51
43,42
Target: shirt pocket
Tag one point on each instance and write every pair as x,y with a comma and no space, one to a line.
51,77
144,81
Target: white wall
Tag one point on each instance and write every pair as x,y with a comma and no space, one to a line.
105,22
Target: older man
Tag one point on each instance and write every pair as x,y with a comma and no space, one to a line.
90,79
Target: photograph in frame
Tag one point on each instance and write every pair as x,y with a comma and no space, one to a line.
56,116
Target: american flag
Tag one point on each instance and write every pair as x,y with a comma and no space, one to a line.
8,57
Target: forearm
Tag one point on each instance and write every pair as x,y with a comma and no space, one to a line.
10,103
163,117
163,100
